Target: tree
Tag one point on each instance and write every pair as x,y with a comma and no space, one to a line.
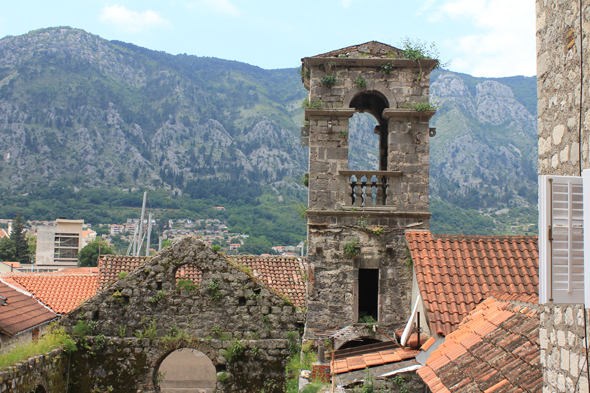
88,256
6,249
19,240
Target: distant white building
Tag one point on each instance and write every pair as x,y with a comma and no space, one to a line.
58,245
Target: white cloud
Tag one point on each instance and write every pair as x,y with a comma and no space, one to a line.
502,42
220,6
346,3
130,20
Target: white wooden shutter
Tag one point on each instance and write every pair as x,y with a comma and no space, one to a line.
561,239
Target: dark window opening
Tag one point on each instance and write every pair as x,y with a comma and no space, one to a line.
368,289
126,299
38,389
95,315
220,367
257,291
241,301
158,286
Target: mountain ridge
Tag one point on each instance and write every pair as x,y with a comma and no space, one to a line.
82,112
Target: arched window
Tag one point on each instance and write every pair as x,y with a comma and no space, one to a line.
372,103
186,370
363,143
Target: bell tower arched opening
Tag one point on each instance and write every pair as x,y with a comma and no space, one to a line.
374,103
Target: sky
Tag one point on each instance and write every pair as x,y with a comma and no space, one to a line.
484,38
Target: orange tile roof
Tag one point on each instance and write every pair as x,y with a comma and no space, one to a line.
3,233
21,311
361,362
15,265
454,273
60,292
282,274
79,270
495,349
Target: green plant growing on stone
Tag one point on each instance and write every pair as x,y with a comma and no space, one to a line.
122,275
222,376
81,330
159,378
361,222
159,296
328,81
216,330
377,230
327,66
401,384
186,285
301,209
360,82
313,104
304,72
387,67
368,385
350,248
116,294
234,351
99,341
151,330
423,106
409,261
122,331
255,351
303,180
213,288
369,322
216,247
343,134
286,300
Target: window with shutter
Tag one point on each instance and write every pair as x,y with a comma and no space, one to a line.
561,239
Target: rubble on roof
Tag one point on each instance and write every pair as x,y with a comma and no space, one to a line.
455,273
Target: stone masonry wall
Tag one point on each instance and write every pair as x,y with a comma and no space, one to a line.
48,370
558,86
331,297
561,337
559,60
134,324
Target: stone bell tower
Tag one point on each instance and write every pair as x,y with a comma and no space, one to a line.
357,219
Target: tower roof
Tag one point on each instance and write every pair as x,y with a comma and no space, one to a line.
370,50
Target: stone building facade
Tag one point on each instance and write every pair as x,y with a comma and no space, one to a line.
356,219
129,328
563,78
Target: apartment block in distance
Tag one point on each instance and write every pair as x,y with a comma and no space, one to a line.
58,245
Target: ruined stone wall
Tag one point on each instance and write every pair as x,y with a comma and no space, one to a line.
134,324
559,45
559,71
48,370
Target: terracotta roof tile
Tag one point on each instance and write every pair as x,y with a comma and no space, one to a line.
360,362
487,354
21,311
282,274
60,292
455,272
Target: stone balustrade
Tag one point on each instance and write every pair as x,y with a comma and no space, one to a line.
368,188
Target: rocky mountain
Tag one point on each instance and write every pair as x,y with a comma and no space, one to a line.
82,112
77,108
